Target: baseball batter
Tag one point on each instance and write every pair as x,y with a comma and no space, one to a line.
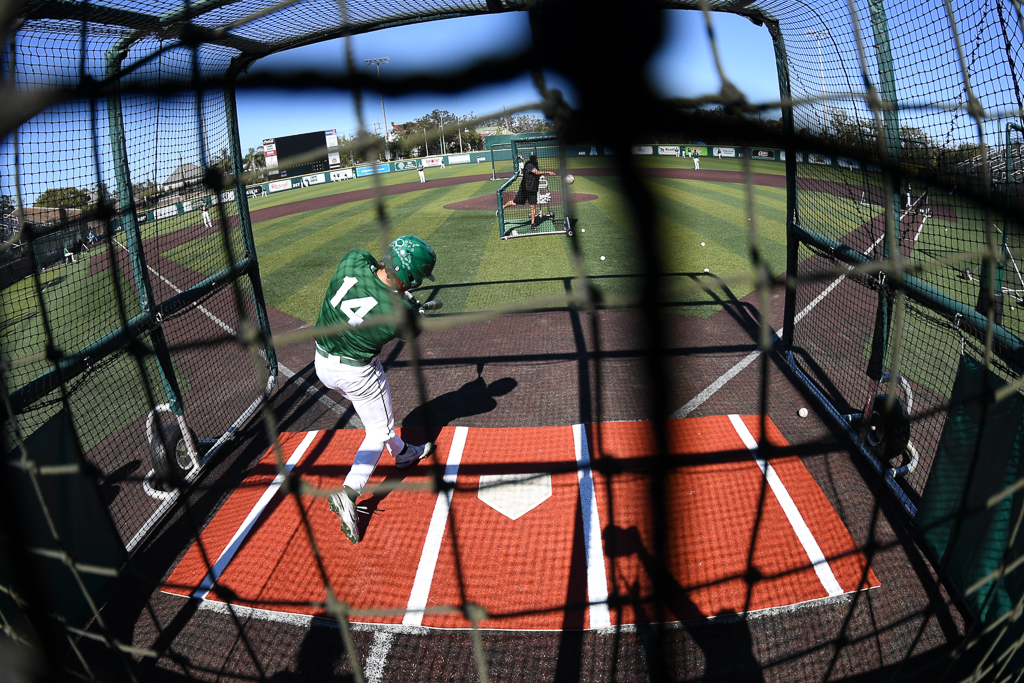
528,187
349,363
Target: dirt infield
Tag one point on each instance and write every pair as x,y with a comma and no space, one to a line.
487,202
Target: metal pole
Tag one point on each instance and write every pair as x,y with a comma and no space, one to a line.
426,150
377,61
458,121
440,119
817,35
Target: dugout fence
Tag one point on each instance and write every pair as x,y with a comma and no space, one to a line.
900,314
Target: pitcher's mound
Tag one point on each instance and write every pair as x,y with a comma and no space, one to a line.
488,202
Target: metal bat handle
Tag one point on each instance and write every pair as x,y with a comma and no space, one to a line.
434,305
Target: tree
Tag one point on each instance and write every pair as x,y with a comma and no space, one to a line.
6,204
71,197
524,123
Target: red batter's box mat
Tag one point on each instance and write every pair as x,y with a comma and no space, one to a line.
531,528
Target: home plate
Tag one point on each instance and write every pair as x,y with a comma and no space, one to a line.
513,495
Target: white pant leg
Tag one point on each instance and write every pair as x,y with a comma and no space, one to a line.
696,164
368,389
207,221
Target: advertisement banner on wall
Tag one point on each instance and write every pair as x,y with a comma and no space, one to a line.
768,154
701,151
820,159
312,180
165,211
343,174
724,152
458,159
140,218
479,159
228,196
782,155
643,149
668,150
254,191
847,162
407,165
432,161
186,207
370,170
279,185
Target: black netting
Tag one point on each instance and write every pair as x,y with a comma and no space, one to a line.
654,434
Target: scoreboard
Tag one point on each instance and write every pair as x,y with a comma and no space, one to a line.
294,155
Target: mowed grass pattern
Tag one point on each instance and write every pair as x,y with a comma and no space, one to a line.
704,226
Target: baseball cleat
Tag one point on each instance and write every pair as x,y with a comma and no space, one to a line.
346,511
411,455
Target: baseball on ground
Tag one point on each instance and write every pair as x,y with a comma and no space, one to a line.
802,412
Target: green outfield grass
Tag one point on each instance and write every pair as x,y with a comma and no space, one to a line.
81,308
477,270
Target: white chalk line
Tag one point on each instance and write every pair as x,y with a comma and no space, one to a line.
250,521
309,621
597,581
308,387
729,374
796,520
378,657
435,534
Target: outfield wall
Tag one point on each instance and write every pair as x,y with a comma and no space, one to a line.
477,157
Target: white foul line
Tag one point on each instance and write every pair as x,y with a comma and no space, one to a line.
597,581
796,520
309,388
378,656
713,388
435,533
236,541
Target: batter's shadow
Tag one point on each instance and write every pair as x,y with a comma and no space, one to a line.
472,398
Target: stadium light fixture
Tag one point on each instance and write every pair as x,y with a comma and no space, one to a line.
377,61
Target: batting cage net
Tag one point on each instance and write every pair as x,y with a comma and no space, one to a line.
623,486
534,200
502,166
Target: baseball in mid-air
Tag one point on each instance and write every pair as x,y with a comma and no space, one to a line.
802,412
702,244
570,179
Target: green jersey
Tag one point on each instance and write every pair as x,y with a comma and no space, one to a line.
354,295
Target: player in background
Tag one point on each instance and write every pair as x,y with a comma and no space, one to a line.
528,187
696,158
206,216
363,288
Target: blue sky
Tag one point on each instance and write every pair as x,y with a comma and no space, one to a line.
684,66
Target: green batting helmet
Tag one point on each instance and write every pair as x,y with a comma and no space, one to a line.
410,259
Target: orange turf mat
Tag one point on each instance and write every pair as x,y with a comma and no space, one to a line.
524,549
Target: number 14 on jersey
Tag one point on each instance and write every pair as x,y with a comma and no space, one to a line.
354,309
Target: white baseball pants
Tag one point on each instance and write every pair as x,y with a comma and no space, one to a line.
367,387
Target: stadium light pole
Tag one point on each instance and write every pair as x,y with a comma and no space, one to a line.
458,122
377,61
818,35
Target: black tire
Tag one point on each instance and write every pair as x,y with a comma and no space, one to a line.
173,469
886,435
